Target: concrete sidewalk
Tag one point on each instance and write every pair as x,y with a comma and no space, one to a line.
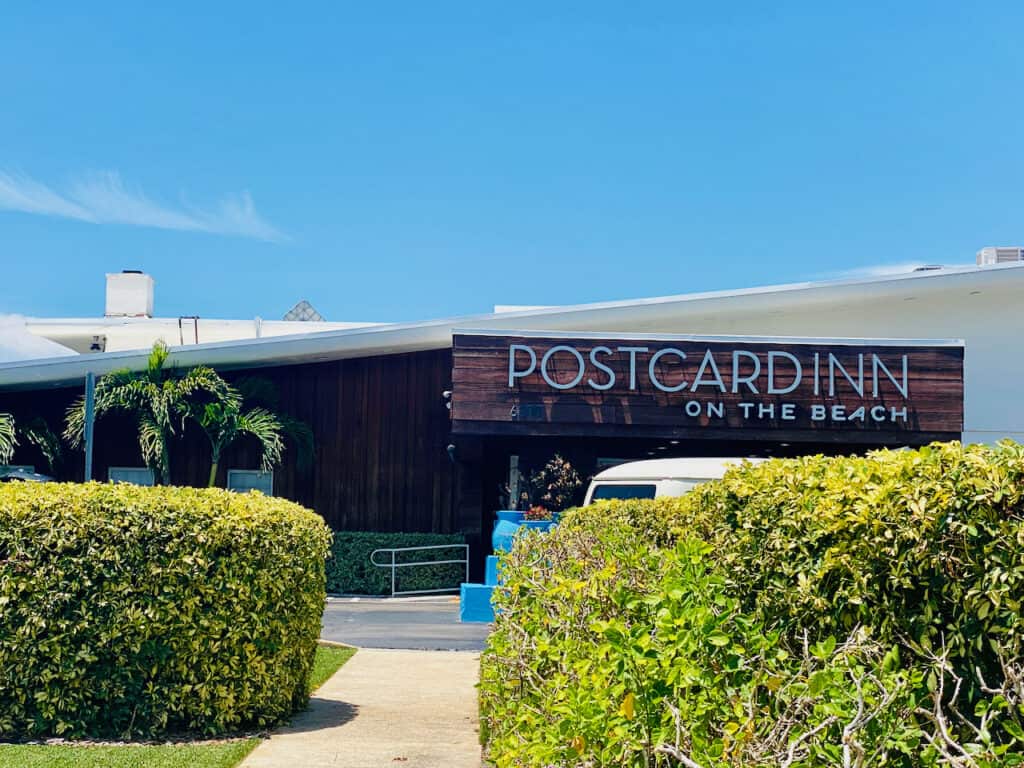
415,709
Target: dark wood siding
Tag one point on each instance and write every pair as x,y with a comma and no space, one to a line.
381,430
555,386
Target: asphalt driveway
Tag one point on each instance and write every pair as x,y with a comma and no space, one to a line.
410,623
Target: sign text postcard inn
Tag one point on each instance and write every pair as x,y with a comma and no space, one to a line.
527,384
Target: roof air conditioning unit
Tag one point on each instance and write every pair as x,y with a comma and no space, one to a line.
129,294
991,255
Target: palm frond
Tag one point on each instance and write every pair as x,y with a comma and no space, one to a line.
38,433
8,437
204,380
265,427
118,378
155,363
151,442
199,387
114,392
74,422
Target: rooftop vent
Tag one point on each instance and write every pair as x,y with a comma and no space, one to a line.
992,255
129,294
304,312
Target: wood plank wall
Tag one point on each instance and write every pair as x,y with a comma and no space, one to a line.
381,429
620,395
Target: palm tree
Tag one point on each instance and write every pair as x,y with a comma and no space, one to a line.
225,422
160,400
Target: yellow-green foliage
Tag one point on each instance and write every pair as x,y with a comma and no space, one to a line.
748,622
138,611
927,545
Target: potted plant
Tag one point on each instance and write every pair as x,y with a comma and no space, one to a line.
538,518
545,494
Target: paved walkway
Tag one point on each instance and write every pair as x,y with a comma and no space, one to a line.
428,624
415,709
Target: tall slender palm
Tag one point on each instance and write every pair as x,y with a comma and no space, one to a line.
224,422
274,430
159,399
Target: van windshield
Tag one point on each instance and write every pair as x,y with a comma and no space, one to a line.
614,491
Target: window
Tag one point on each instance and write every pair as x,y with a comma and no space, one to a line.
131,475
610,491
245,480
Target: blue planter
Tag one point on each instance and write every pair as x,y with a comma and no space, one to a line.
537,525
508,525
505,529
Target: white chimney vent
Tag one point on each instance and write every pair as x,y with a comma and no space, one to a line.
129,294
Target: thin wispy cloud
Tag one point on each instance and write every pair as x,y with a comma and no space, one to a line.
103,198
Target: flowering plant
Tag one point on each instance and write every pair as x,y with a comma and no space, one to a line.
537,512
554,487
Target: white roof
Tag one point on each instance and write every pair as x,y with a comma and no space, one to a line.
629,316
672,469
18,343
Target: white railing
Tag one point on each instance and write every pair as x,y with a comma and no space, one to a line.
394,566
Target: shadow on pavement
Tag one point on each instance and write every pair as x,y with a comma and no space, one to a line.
321,713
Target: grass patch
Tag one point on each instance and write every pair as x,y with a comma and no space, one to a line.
199,755
329,659
219,755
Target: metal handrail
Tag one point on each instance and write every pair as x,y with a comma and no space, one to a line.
394,566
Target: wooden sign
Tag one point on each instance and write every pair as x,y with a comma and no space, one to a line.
720,388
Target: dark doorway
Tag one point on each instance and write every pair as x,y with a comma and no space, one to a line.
590,455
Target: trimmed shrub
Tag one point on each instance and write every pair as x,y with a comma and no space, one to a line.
349,570
803,612
925,546
128,611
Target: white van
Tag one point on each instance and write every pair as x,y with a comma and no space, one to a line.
657,477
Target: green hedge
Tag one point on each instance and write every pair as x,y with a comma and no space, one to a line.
756,620
128,611
349,570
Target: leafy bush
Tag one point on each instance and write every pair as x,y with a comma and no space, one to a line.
803,612
131,611
349,570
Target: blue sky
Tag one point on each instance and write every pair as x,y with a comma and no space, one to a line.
397,161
